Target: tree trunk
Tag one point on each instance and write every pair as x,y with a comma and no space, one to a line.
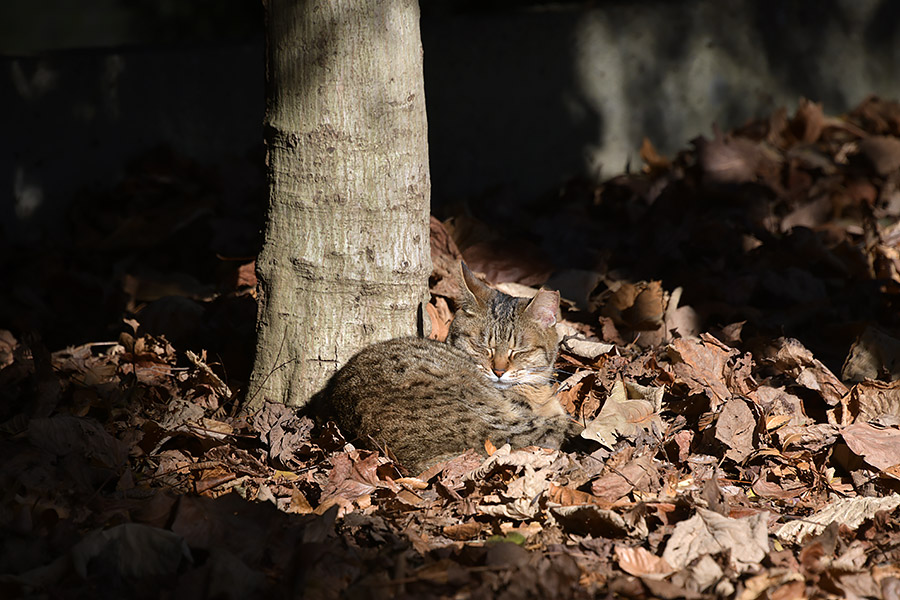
346,256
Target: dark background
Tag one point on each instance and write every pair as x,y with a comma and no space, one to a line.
132,168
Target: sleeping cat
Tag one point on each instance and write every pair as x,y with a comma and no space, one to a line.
426,401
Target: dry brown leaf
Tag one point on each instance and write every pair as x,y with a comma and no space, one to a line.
639,307
813,437
682,441
774,422
879,447
640,562
850,512
780,406
703,574
464,531
445,257
809,214
574,390
680,321
8,343
622,416
637,474
568,496
598,522
874,354
808,121
878,115
441,317
775,584
246,276
702,365
520,509
353,477
875,401
654,161
584,348
63,435
745,541
536,459
882,153
791,357
648,309
299,504
727,159
526,530
786,490
735,427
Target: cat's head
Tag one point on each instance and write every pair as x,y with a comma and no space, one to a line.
512,340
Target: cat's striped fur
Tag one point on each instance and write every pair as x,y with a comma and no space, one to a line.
424,401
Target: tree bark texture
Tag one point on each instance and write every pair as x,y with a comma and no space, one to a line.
346,257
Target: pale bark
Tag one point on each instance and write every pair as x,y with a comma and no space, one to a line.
346,255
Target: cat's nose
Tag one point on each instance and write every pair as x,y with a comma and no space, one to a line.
499,372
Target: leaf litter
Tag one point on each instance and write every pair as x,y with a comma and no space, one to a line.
729,341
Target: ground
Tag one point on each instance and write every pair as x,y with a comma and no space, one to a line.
731,342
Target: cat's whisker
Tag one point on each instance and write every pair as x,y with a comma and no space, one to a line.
566,371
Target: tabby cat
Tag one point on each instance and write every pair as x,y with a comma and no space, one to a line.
426,401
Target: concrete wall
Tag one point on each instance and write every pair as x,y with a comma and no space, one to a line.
518,99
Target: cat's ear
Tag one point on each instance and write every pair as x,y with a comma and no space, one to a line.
473,290
544,308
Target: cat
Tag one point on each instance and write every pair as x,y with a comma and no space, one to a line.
425,401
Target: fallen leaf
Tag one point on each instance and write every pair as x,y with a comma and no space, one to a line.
622,416
875,402
786,489
445,257
489,448
780,406
441,317
850,512
735,427
813,437
568,496
882,153
464,531
777,584
880,447
726,159
745,541
640,562
654,161
702,365
637,474
808,121
791,357
8,344
584,348
591,519
874,354
574,390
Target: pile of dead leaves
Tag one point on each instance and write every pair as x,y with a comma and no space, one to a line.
714,474
730,342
